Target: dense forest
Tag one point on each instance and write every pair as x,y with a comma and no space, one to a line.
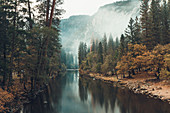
144,46
30,45
68,60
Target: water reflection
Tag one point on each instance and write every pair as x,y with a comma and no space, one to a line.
103,96
70,93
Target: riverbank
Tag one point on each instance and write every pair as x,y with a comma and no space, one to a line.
13,100
143,83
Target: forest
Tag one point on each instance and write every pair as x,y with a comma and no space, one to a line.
29,49
31,53
68,60
144,46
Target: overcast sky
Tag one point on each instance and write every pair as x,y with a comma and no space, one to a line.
83,7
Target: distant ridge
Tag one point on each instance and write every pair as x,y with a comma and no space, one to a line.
110,19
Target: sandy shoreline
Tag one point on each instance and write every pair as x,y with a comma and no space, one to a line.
149,86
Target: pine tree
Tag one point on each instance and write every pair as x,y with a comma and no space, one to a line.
100,53
70,61
110,48
24,41
82,52
92,47
130,32
155,23
137,31
117,42
145,23
4,23
122,46
9,29
63,56
30,15
13,41
104,43
165,38
96,45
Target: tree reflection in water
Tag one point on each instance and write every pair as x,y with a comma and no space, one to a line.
121,100
48,101
70,93
101,93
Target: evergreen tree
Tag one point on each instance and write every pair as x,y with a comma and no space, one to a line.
130,32
4,24
145,22
122,46
117,42
110,48
100,53
9,27
63,56
70,61
96,45
28,46
155,23
165,37
82,52
92,48
137,31
104,43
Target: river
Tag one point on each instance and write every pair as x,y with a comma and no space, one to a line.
71,93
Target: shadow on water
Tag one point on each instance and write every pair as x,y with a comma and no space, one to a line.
70,93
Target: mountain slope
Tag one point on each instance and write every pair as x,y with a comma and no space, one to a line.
110,19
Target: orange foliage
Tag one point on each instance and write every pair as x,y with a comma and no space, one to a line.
5,97
133,59
138,57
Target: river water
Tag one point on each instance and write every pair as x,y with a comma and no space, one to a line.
71,93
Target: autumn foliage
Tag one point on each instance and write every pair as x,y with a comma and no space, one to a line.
138,58
5,97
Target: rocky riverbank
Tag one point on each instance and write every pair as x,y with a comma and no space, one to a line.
143,83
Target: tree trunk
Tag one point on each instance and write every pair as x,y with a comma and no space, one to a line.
4,66
25,81
4,53
123,75
139,69
47,39
25,85
133,72
52,11
158,71
32,84
47,13
129,74
13,46
29,12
